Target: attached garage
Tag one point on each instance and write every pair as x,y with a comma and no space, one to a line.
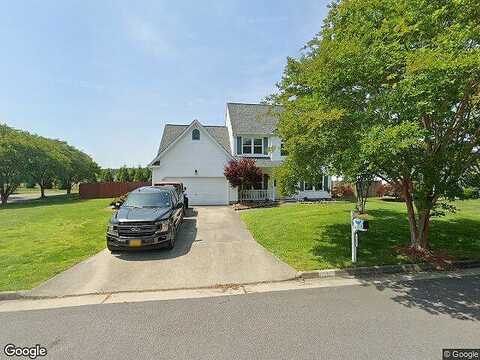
205,191
196,155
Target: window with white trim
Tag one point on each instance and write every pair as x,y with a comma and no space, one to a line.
251,145
246,145
258,146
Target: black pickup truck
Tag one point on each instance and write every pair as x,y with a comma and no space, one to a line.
149,219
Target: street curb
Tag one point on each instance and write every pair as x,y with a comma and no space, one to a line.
330,273
13,295
386,269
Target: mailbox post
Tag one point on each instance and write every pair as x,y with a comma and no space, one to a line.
354,237
357,225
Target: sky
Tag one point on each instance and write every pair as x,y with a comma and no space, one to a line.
105,76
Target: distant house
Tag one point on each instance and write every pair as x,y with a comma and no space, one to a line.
196,155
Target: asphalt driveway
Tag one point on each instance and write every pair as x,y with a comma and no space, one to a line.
213,248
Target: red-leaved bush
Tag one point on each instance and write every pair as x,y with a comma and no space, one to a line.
242,172
343,191
381,190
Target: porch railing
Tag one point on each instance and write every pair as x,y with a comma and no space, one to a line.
255,195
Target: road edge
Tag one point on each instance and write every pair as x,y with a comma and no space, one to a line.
302,275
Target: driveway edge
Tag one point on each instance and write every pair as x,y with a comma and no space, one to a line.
386,269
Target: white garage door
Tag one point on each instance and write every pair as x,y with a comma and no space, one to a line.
205,191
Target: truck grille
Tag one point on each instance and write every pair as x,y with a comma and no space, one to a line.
136,229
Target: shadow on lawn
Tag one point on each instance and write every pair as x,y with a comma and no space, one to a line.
457,297
388,228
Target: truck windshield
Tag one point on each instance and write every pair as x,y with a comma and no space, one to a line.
157,199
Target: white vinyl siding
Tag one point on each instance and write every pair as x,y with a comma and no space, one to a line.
199,164
314,191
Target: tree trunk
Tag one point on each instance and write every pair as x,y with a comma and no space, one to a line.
69,190
42,191
412,221
6,191
424,224
362,186
419,228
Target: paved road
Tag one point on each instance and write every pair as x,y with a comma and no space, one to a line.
213,248
397,320
23,197
29,196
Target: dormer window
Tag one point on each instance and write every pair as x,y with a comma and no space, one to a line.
196,134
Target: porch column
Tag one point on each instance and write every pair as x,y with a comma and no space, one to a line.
273,189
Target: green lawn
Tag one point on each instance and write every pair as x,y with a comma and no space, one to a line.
41,238
317,236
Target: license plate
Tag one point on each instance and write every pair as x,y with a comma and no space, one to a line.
135,243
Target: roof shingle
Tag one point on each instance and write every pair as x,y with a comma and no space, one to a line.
253,118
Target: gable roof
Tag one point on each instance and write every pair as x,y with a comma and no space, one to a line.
171,132
253,118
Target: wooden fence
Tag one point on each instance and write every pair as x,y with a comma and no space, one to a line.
109,189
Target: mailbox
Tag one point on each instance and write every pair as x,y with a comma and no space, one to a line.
360,225
357,226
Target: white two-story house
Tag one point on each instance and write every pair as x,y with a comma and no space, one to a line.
196,154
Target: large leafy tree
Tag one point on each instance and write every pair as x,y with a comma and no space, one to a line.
106,175
78,167
146,174
46,162
142,174
123,175
392,86
15,148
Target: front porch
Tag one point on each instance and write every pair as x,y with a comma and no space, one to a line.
264,191
267,190
256,195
